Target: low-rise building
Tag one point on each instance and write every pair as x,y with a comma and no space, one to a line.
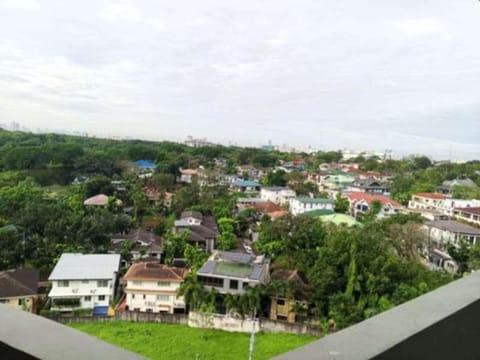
300,205
153,288
248,186
277,194
188,175
442,232
144,244
362,203
232,272
448,186
19,289
468,214
202,229
84,281
369,186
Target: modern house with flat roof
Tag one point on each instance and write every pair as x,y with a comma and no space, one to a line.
84,281
232,272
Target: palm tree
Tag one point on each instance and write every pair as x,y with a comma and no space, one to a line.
230,302
191,291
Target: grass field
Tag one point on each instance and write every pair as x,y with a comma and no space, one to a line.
166,341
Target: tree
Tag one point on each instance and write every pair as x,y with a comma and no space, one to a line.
275,178
194,257
192,291
341,204
175,244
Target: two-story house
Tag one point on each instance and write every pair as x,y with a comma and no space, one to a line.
300,205
19,289
202,229
247,186
441,232
369,186
84,281
153,287
232,272
277,194
362,203
468,214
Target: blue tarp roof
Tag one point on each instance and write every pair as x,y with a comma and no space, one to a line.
145,164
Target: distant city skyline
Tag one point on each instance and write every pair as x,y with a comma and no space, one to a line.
331,75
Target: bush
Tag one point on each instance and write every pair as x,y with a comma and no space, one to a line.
82,312
49,313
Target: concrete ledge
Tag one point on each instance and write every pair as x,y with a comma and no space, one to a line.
31,336
442,324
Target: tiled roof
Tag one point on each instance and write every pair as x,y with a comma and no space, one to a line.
97,200
194,214
266,207
188,171
470,210
148,270
274,215
431,196
21,282
368,198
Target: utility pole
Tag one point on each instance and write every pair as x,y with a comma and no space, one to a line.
252,336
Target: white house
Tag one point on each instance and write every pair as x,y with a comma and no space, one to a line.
441,232
301,205
278,194
152,287
468,214
440,202
84,281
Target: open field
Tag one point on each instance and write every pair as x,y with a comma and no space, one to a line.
166,341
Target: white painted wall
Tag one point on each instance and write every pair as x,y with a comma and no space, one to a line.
88,291
153,295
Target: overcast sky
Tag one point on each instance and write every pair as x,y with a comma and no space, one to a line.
357,74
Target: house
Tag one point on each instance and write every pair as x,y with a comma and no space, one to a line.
84,281
153,288
442,232
119,185
232,272
278,194
145,244
362,202
337,181
188,175
19,289
468,214
369,186
245,186
156,197
245,203
440,202
300,205
145,166
202,229
441,260
448,185
252,172
290,309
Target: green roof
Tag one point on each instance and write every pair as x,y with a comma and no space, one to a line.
315,200
233,269
318,212
339,219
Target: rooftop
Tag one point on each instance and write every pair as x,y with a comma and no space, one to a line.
145,164
97,200
91,266
470,210
19,282
431,196
146,270
306,200
453,226
246,183
369,198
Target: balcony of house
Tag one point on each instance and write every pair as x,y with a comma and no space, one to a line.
442,324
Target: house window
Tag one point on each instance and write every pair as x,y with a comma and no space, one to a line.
133,296
163,283
102,283
144,296
280,302
137,282
101,297
20,302
148,310
233,284
63,283
245,285
85,281
88,298
210,281
136,309
163,297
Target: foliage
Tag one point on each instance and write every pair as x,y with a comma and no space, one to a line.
341,204
275,178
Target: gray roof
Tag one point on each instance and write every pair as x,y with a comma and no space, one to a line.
458,182
91,266
45,339
238,265
453,226
19,282
306,200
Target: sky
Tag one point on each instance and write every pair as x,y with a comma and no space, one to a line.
351,74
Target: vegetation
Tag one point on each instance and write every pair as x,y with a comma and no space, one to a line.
166,341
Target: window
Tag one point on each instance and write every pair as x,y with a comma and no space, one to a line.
63,283
102,283
280,302
144,296
233,284
137,282
133,296
148,310
85,281
20,302
163,297
163,283
101,297
88,298
210,281
245,285
136,309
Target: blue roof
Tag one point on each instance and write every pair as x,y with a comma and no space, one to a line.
246,183
145,164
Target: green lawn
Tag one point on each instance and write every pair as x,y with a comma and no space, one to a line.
166,341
